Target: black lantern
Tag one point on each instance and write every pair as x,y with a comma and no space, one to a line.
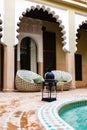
49,89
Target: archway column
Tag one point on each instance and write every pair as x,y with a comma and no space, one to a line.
70,58
8,82
70,66
40,68
18,57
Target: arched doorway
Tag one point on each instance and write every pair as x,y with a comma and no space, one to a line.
81,56
28,54
1,66
31,23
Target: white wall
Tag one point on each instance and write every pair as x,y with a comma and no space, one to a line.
9,22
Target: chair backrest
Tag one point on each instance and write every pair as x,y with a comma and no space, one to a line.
29,76
62,75
26,73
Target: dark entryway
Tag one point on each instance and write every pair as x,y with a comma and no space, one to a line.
49,51
28,54
78,67
25,53
1,66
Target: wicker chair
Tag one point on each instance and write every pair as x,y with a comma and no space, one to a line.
28,81
64,79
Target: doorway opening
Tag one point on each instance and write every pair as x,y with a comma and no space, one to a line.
78,67
28,54
1,66
49,51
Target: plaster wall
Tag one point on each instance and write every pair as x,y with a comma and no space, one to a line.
9,22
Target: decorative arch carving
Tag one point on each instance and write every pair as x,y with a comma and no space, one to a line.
83,25
0,28
49,16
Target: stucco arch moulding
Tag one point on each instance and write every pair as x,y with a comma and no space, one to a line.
79,21
1,21
77,34
54,13
0,28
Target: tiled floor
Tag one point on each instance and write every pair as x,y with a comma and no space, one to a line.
19,110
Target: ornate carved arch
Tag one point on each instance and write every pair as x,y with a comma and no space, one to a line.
0,29
38,12
83,25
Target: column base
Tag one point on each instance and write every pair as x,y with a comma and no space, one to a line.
8,90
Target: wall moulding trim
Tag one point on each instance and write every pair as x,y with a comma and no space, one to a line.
67,3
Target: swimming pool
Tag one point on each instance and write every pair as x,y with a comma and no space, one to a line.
75,114
50,118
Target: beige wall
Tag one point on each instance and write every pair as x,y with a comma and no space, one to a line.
8,69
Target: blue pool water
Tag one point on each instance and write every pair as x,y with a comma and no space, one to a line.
75,115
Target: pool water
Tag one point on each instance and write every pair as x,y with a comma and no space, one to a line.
75,116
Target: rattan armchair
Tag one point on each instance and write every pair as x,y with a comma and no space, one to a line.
28,81
64,79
